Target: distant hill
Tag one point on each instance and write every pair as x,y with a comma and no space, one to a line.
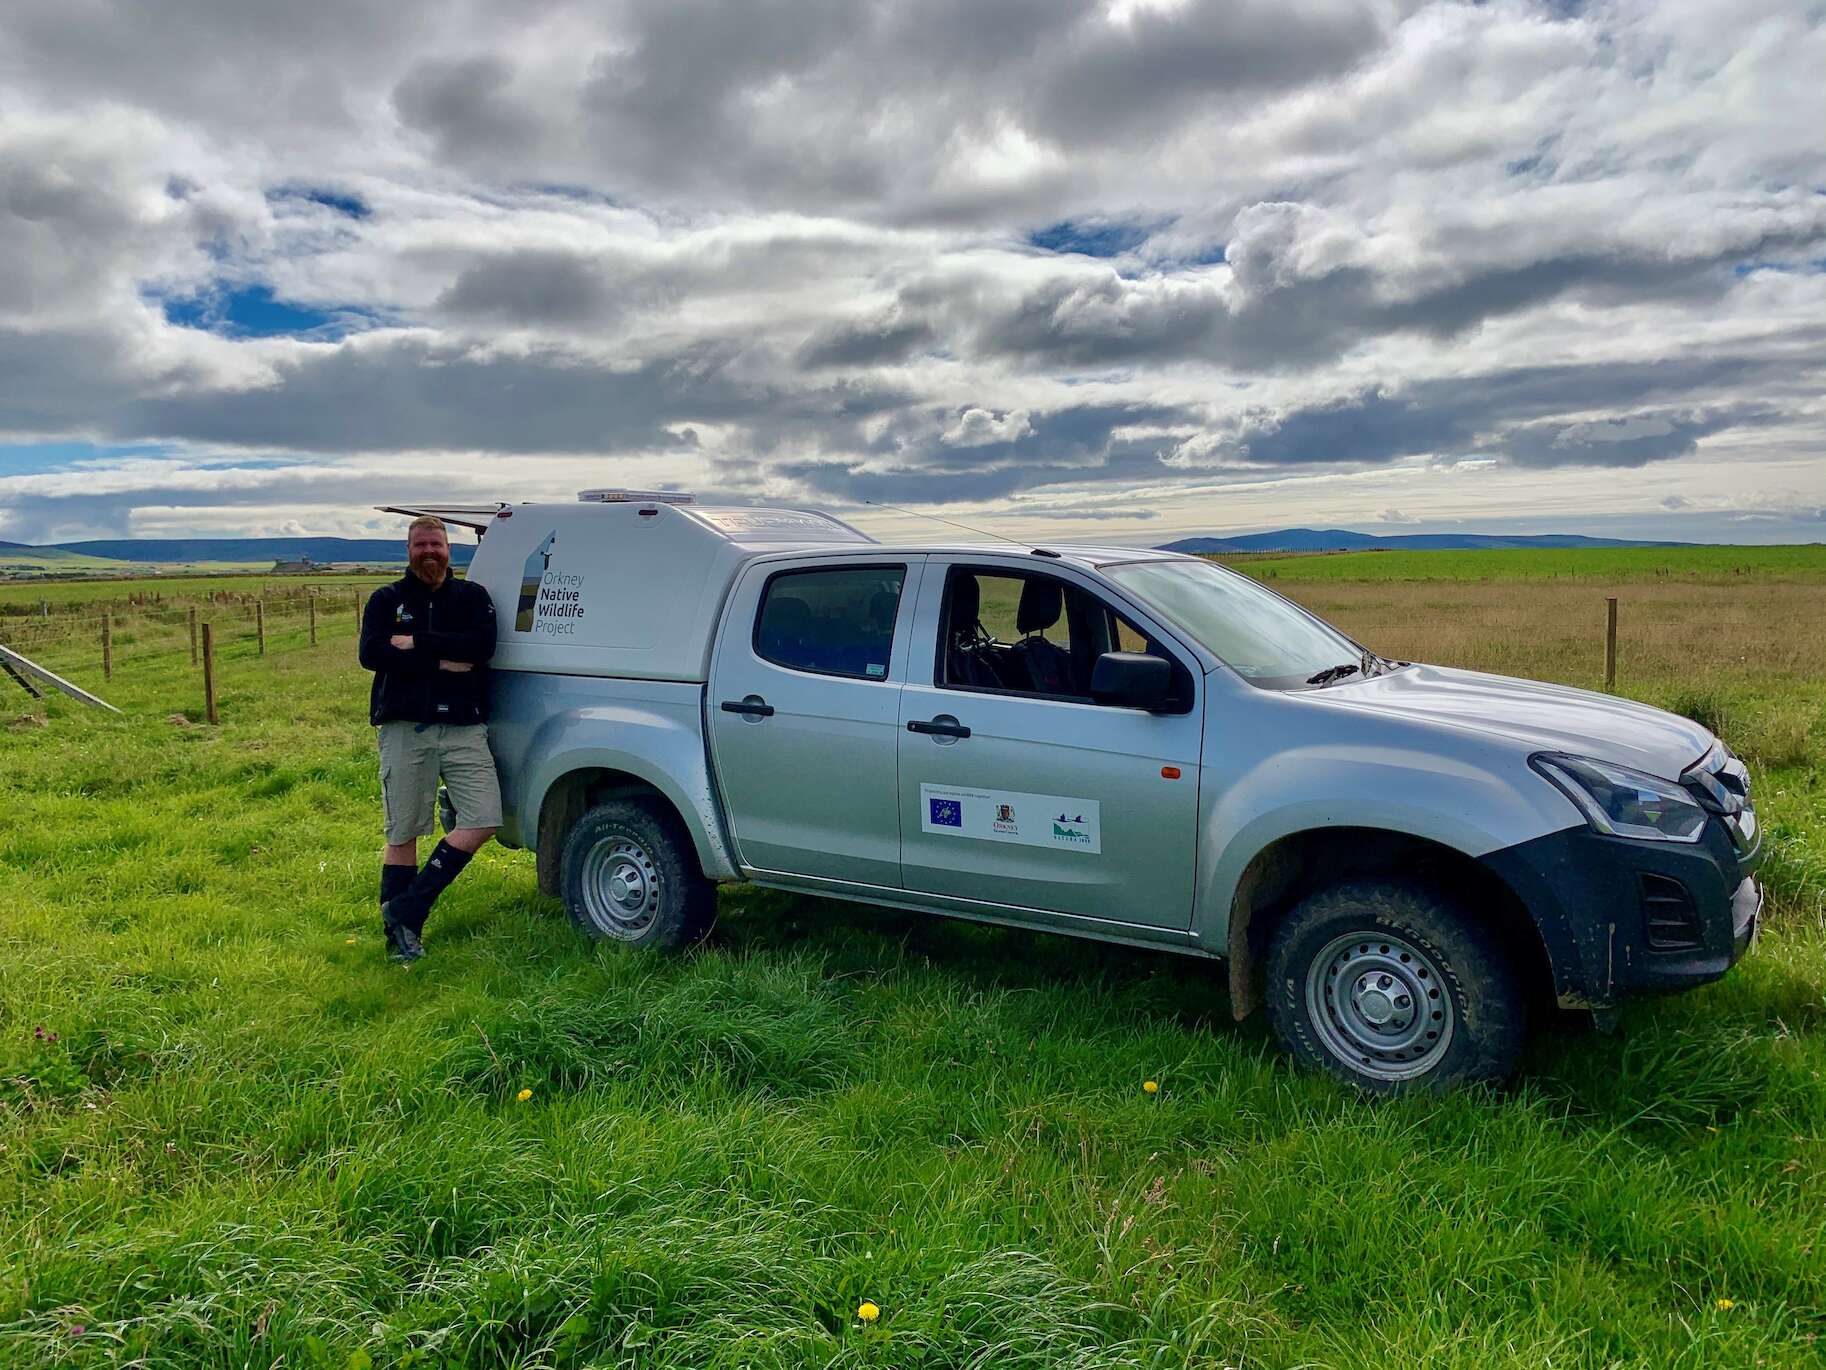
1343,540
365,550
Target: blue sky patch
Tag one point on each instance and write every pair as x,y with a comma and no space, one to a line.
252,311
33,458
1089,239
349,205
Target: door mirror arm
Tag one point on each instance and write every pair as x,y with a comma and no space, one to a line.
1132,680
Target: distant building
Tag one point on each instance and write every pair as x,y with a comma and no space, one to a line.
304,566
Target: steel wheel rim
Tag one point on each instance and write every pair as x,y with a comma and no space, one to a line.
621,887
1381,1005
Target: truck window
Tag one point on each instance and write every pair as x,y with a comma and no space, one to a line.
832,622
1034,634
1014,632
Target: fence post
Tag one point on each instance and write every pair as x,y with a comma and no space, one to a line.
1610,643
358,615
311,604
193,635
260,624
107,647
209,673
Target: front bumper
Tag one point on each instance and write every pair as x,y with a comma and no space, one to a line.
1621,916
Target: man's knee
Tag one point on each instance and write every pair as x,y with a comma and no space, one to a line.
470,839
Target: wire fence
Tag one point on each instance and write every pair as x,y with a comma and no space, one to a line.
143,632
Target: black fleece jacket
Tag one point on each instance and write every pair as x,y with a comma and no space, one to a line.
455,622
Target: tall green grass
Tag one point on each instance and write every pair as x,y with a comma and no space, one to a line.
255,1142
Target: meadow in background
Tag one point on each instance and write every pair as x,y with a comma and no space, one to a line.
231,1133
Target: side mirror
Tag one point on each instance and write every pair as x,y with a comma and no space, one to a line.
1134,680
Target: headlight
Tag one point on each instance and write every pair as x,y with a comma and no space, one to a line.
1626,803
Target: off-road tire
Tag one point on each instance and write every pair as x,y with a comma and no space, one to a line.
629,874
1370,948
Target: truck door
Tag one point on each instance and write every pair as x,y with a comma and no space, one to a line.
805,715
1015,787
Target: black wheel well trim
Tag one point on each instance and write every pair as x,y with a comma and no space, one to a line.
1300,863
574,794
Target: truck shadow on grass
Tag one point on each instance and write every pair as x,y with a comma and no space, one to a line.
1673,1066
1189,993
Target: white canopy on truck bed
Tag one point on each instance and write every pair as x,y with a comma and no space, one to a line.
626,586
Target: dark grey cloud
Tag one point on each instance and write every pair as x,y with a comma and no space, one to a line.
530,287
875,343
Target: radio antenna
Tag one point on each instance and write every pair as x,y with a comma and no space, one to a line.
914,513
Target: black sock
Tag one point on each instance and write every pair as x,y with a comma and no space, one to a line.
445,865
395,880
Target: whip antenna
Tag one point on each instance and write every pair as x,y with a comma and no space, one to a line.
914,513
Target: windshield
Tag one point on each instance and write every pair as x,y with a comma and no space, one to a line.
1265,639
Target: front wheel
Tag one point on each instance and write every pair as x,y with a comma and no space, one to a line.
628,874
1392,988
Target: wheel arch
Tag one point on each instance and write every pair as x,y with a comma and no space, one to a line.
1296,864
589,782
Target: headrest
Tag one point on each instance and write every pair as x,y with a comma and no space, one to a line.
883,605
1042,601
966,603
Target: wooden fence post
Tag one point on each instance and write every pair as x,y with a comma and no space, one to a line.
311,604
193,635
1610,643
209,673
107,647
358,614
260,624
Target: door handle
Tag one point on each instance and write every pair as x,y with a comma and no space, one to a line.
752,707
937,728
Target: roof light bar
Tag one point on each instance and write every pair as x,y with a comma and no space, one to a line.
616,496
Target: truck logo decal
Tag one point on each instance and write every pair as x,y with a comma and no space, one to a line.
994,816
551,602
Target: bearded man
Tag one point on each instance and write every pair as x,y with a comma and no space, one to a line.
428,637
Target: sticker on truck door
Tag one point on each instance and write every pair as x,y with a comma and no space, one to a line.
1032,820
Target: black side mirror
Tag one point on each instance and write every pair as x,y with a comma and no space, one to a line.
1134,680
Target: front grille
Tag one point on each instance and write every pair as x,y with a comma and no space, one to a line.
1669,920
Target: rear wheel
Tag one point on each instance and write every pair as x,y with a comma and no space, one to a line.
629,874
1392,988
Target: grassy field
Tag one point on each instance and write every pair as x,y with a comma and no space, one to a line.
92,595
231,1134
1726,565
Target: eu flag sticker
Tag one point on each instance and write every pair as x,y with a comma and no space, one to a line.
946,813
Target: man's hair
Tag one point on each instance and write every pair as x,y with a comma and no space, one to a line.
426,521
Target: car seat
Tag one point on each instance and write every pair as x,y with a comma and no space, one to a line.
965,659
1049,666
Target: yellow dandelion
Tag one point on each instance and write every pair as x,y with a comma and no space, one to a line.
524,1095
1726,1305
1150,1086
867,1311
348,941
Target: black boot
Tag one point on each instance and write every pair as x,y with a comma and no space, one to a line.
395,881
402,944
414,906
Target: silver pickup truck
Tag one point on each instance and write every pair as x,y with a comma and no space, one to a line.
1399,860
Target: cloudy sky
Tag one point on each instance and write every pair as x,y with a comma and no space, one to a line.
1120,270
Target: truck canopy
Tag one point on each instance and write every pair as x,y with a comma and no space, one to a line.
627,586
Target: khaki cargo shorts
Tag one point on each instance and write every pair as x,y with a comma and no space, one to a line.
414,755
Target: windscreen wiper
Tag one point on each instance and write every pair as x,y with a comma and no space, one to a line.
1331,673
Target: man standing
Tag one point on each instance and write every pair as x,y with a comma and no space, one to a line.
428,637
